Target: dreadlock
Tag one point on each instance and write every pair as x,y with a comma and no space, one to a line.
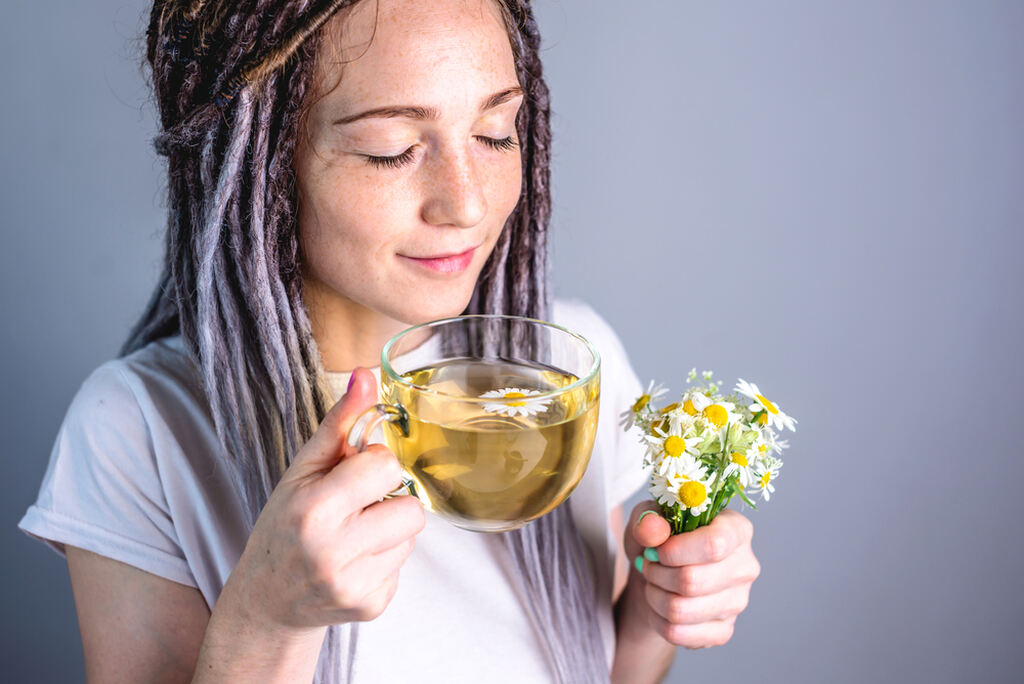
230,80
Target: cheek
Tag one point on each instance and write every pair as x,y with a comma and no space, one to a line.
345,219
507,187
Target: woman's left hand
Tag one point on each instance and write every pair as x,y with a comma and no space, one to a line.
701,580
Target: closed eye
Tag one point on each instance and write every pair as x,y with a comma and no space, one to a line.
503,144
390,162
399,160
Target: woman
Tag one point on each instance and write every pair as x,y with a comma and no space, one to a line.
339,171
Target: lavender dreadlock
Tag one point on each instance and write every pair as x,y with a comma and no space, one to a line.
230,79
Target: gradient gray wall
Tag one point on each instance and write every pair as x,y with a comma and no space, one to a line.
826,198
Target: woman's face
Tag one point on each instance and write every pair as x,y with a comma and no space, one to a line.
410,166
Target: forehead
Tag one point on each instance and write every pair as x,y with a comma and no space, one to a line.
425,52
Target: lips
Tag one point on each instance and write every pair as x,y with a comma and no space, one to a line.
444,263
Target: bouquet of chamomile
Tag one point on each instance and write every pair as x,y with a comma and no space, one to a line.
707,448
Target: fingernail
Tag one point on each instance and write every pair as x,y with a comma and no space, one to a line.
641,518
638,562
651,555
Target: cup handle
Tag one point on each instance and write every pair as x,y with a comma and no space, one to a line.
364,426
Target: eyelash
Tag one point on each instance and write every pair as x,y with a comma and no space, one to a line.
399,160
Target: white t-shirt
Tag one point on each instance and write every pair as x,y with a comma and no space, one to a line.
137,475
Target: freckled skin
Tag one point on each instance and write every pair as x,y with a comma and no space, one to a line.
357,222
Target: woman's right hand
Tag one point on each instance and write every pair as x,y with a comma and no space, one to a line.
326,549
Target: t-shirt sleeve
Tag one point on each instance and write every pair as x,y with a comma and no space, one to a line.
102,490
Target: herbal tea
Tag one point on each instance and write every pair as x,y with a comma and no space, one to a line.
502,458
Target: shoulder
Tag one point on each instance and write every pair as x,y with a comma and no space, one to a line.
151,383
134,419
580,317
126,405
116,470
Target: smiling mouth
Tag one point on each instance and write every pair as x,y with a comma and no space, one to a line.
445,263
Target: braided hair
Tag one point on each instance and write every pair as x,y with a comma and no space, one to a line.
230,79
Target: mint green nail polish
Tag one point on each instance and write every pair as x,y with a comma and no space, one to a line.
651,555
639,563
643,514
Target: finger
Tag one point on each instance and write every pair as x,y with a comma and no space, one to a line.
705,579
682,610
328,443
647,529
386,524
362,479
709,544
365,575
704,635
376,602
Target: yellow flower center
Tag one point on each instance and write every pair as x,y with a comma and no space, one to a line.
716,415
762,417
689,408
764,480
641,402
675,446
515,395
738,458
762,448
670,408
767,404
692,494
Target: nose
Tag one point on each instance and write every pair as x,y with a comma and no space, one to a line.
455,195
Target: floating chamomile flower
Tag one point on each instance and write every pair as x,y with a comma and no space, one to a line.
514,408
771,414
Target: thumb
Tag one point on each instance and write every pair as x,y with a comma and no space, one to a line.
646,529
329,444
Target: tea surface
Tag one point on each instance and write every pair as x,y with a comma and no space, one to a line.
493,464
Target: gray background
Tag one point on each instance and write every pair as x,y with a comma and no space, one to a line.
823,197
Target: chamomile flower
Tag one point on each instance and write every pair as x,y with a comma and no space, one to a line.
628,418
742,463
761,450
716,413
695,495
514,408
672,420
696,448
765,473
665,490
687,493
689,407
678,456
771,414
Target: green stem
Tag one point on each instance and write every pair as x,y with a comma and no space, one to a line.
692,522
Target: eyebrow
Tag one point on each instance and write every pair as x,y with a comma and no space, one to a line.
426,113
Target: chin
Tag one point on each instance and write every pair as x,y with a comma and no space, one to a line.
418,310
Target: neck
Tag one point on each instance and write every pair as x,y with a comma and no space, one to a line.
347,333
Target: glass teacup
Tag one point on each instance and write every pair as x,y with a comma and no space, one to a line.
492,417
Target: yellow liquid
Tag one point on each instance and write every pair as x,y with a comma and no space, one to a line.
480,467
